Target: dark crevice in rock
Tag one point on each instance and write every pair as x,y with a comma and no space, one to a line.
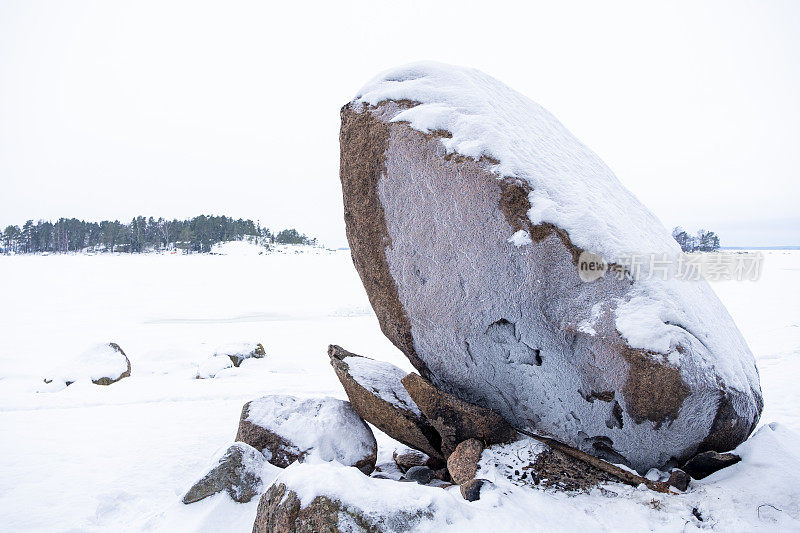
615,420
603,396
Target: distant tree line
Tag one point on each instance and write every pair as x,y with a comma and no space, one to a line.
142,234
704,241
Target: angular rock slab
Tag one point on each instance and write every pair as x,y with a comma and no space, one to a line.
287,429
467,208
238,472
704,464
378,396
454,419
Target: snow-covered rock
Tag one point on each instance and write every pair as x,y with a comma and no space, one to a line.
331,498
467,208
209,368
102,364
377,394
287,429
239,351
237,471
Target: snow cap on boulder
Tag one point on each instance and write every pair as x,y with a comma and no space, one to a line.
467,208
286,429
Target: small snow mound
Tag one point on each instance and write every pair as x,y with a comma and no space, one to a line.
212,366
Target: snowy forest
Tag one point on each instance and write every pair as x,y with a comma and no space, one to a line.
142,234
704,241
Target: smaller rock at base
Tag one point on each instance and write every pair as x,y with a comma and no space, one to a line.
679,479
463,462
420,474
442,474
237,472
706,463
471,490
410,458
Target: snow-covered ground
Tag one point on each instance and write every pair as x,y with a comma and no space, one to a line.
120,457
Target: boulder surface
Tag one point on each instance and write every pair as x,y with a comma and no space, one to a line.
287,429
468,208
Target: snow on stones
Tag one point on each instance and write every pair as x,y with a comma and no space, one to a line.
237,471
209,368
232,354
287,429
377,394
467,207
239,351
102,364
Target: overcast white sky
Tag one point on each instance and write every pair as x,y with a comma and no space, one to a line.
113,109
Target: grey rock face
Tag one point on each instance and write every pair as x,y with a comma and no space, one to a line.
499,325
237,472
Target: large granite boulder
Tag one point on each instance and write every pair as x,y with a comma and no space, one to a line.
287,429
377,394
468,208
